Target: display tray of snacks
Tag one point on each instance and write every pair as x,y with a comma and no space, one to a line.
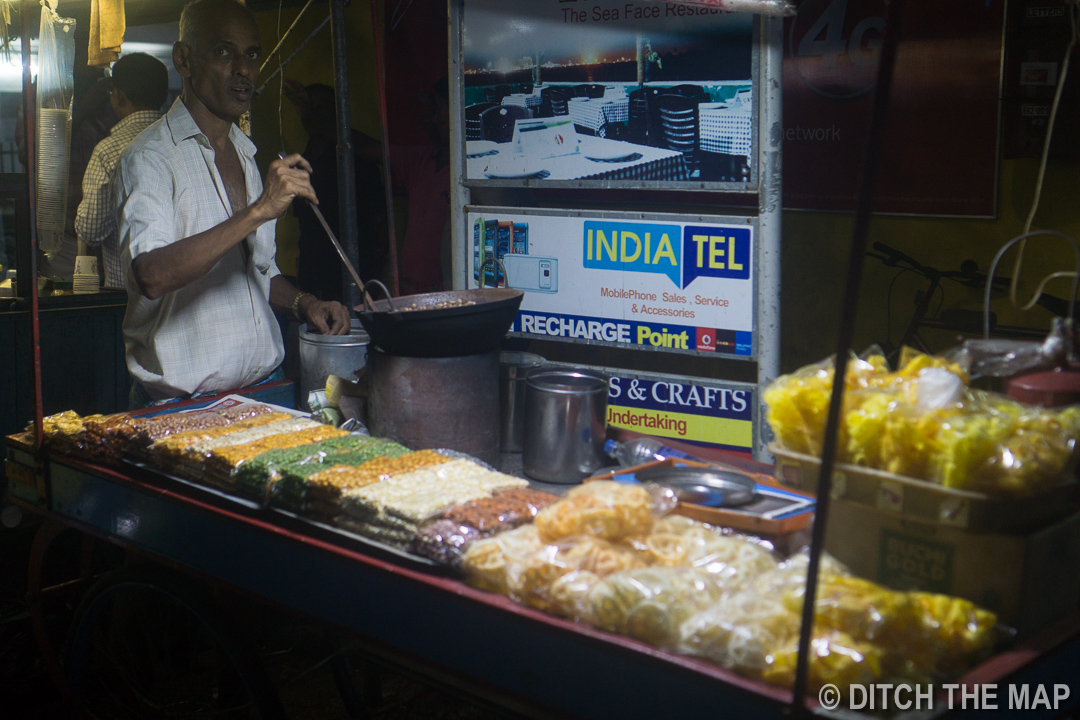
280,516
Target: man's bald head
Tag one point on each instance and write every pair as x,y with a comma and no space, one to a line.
219,57
199,15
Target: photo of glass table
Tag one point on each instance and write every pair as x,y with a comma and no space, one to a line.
598,159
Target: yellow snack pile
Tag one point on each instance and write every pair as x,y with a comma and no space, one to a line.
835,659
651,604
685,586
604,509
903,423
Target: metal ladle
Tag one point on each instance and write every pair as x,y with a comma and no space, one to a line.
345,258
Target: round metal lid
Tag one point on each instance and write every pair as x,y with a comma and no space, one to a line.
703,486
356,336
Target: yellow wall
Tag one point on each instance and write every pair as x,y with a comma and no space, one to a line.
314,64
815,247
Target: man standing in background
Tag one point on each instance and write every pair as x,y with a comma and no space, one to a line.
140,86
318,265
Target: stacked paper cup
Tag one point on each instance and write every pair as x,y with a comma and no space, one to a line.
86,279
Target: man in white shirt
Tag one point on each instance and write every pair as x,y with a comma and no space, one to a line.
140,86
197,226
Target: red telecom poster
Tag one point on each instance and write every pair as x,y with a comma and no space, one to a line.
941,134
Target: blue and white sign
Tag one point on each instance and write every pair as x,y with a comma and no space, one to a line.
658,284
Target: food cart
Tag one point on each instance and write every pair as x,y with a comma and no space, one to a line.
413,612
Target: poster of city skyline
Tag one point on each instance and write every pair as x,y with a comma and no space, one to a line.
670,85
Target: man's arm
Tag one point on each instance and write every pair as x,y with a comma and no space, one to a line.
173,266
330,318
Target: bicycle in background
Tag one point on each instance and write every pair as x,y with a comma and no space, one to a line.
966,323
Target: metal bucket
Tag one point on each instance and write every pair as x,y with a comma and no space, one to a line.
513,367
565,424
325,355
436,402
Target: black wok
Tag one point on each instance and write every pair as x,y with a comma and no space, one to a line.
429,331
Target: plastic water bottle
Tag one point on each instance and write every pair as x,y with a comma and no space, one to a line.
642,450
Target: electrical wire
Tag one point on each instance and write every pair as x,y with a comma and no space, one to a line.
286,35
397,17
281,82
1017,264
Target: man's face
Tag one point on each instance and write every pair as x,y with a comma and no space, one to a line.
223,63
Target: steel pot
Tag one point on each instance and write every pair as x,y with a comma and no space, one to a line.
565,424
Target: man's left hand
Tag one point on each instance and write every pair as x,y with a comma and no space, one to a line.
330,317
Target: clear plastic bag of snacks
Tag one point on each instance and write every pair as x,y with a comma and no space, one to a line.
835,659
740,631
535,579
960,634
677,541
446,538
604,509
548,576
650,604
923,422
487,562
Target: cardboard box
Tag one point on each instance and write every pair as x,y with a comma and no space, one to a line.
926,501
1030,580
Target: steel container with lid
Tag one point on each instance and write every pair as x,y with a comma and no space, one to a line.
325,355
565,424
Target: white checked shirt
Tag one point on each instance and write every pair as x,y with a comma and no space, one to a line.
95,221
218,332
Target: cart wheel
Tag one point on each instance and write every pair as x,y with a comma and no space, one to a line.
52,594
145,644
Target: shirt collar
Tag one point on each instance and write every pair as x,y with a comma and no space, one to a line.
182,127
144,117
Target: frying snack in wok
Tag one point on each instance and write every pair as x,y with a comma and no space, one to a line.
441,305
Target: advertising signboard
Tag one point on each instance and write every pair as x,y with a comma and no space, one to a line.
609,93
659,282
691,410
940,143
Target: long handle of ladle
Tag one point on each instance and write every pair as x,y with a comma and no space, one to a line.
333,238
337,245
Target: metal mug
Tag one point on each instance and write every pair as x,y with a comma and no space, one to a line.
565,424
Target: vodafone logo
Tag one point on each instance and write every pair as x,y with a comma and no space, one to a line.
706,340
834,45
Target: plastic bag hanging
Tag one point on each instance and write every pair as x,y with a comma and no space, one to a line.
55,80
